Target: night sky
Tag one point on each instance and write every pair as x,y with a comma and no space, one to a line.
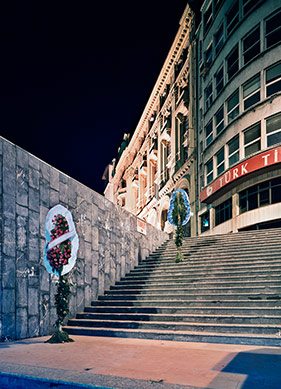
76,75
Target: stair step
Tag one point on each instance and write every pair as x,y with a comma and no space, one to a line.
269,329
226,290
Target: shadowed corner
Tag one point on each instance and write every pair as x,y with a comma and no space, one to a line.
247,370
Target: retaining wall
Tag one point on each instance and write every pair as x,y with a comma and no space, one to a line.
109,244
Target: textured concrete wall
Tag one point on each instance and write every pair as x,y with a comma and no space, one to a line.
109,242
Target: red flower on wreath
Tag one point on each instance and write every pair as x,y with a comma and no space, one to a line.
59,255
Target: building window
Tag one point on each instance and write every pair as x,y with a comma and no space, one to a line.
273,30
208,95
273,130
223,211
207,18
205,221
220,161
209,132
219,80
209,55
217,5
251,91
273,79
233,151
219,39
209,171
248,5
265,193
232,62
233,106
252,139
232,17
251,45
219,120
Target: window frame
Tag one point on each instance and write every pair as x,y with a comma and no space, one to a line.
246,51
276,131
230,111
221,80
255,92
276,80
208,92
235,151
232,64
253,141
210,135
273,31
224,209
222,162
232,22
218,43
221,122
209,174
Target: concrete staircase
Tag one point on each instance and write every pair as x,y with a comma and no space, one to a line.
227,290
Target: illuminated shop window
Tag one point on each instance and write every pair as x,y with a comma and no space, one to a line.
233,151
223,211
208,95
233,106
209,132
273,30
219,120
273,130
265,193
205,221
252,139
251,45
251,91
273,79
219,39
232,17
219,80
209,171
220,161
232,62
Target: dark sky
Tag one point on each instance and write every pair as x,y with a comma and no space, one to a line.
76,75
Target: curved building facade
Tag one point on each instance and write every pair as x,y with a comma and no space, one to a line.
239,116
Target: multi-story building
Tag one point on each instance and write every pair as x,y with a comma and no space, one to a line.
160,155
239,115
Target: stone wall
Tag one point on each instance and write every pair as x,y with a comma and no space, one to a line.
109,244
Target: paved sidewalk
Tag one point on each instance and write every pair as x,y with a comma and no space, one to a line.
137,363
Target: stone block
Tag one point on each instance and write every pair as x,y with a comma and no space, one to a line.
44,171
79,271
8,272
63,191
33,249
1,145
9,301
9,237
34,178
88,295
21,323
9,206
43,214
33,301
21,261
44,193
44,279
33,161
9,180
54,179
33,203
21,232
22,194
44,308
63,178
94,289
9,325
54,198
80,299
22,157
33,326
9,156
21,290
34,218
88,273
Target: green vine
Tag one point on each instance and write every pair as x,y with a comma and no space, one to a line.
61,302
179,213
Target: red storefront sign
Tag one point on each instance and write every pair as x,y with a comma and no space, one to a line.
257,162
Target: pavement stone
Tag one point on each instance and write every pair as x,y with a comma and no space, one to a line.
138,363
